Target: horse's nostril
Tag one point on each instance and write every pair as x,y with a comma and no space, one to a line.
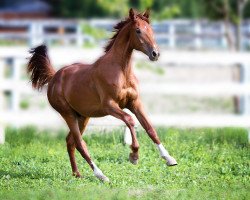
154,54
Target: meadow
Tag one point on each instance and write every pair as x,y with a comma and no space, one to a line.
212,164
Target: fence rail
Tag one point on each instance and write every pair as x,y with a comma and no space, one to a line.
173,34
15,86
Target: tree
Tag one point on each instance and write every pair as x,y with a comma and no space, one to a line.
77,8
231,12
240,11
115,8
161,9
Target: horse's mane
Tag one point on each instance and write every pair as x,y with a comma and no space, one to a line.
118,27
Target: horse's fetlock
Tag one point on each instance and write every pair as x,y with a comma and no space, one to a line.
135,148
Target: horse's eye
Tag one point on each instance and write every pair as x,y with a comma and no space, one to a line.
138,31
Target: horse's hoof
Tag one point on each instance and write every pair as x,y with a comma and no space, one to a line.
134,162
171,161
133,159
103,178
77,175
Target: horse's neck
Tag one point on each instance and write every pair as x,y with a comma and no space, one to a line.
121,52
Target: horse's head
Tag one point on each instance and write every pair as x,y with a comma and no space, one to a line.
142,35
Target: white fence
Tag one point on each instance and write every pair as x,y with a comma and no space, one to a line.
14,86
172,34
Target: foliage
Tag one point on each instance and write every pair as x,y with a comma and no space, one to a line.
159,70
89,8
76,8
96,33
178,8
213,164
161,9
24,104
218,9
115,8
168,12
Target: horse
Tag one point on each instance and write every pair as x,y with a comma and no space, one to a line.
106,87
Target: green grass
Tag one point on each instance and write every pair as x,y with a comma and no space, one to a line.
213,164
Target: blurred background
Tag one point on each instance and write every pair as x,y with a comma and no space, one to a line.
201,79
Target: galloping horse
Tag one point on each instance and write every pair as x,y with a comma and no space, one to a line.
80,91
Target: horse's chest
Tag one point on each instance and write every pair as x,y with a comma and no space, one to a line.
126,95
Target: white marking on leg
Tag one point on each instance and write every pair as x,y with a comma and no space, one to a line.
163,151
164,154
127,136
98,173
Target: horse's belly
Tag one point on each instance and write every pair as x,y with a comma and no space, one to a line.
86,105
84,100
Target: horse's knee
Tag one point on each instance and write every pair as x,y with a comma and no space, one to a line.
129,121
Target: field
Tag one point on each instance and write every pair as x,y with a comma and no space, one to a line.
212,164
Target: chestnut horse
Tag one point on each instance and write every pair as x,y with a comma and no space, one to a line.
80,91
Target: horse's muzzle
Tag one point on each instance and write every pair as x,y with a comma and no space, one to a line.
154,55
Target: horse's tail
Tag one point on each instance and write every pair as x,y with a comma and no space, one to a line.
39,67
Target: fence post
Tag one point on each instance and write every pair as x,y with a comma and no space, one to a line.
35,34
2,63
197,32
247,40
16,79
172,39
2,133
223,36
79,38
244,79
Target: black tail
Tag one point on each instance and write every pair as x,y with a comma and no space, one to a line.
39,67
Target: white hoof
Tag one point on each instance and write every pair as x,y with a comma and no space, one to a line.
103,178
98,173
170,161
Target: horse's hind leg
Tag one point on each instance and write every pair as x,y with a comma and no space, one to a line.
71,151
82,123
72,122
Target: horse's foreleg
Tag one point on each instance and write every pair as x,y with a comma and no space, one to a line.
113,109
138,110
81,146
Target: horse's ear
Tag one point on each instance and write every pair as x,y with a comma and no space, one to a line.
146,13
132,14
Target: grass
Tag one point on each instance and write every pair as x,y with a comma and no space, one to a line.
213,164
